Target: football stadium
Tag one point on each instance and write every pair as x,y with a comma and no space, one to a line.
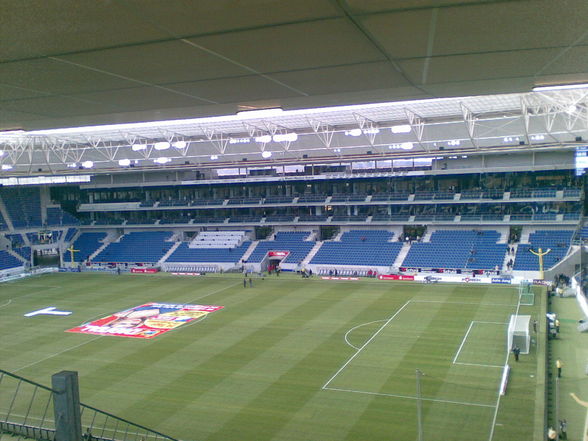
294,220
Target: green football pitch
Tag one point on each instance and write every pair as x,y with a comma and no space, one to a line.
288,359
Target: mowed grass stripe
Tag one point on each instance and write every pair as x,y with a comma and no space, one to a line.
109,298
237,349
121,358
283,379
431,351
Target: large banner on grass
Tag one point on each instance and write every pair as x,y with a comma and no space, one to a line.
146,321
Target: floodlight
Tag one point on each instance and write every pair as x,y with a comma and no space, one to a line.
353,132
240,140
264,139
1,153
403,128
213,157
266,154
560,87
285,137
180,144
87,164
6,167
137,147
164,145
162,160
124,162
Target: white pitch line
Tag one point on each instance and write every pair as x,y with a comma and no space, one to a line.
462,303
365,344
354,328
56,354
463,342
409,397
6,303
498,399
480,365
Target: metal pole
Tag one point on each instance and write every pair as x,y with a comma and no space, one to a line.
419,374
556,425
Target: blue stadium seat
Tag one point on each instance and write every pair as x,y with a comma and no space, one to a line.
359,247
137,247
557,241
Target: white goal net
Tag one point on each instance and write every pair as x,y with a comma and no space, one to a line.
518,333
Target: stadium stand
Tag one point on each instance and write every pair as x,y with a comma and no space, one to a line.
23,206
57,217
185,254
86,244
8,261
138,247
24,252
458,249
359,247
557,241
294,242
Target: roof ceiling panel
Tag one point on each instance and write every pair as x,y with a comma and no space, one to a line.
239,89
573,60
167,62
8,92
298,46
210,16
377,75
35,28
140,98
402,34
55,77
488,66
57,106
510,26
371,6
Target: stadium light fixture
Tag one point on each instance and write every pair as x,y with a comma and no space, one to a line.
239,140
164,145
264,139
285,137
180,144
87,164
353,132
124,162
560,87
266,154
162,160
6,167
138,147
213,157
1,153
403,128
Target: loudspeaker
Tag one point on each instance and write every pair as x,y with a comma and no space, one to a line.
521,142
578,139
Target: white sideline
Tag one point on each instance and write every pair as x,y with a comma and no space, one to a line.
480,365
463,341
409,397
364,345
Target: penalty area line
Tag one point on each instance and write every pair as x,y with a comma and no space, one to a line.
365,344
410,397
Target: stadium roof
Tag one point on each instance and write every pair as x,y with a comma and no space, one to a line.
83,63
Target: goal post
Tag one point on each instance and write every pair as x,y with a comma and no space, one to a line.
518,333
526,294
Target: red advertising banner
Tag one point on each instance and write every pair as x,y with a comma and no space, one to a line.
278,253
146,321
186,274
145,270
338,278
394,277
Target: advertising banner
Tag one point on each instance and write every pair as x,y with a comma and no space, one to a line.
501,281
394,277
144,270
146,321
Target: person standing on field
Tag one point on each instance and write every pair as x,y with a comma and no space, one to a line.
558,365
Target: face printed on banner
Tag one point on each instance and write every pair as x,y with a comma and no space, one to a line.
146,321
